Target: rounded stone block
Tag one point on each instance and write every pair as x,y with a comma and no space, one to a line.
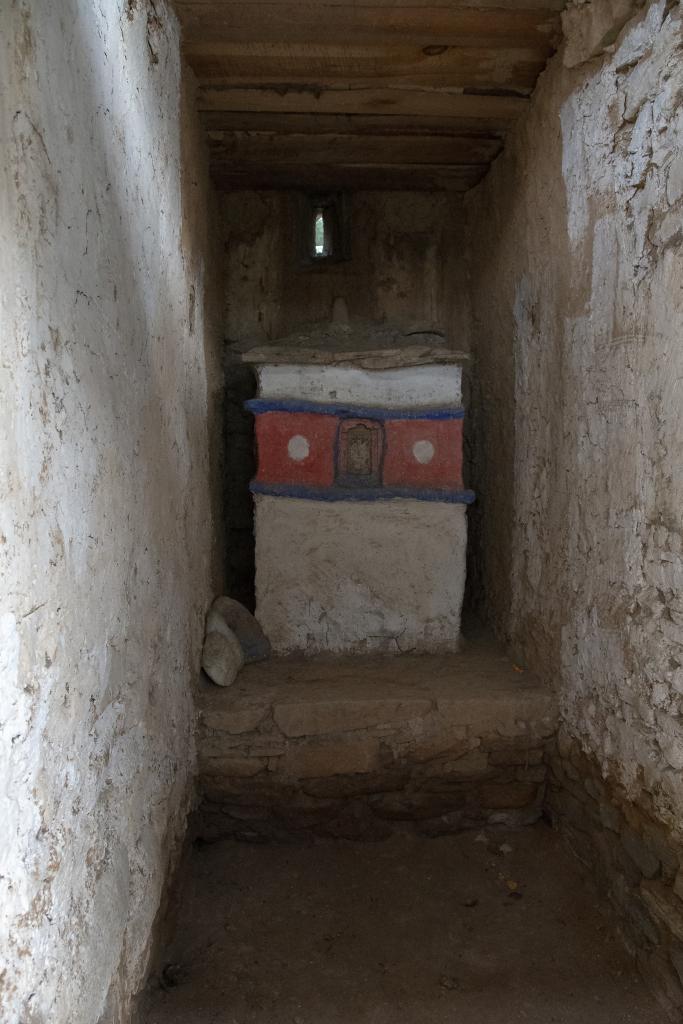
222,657
228,614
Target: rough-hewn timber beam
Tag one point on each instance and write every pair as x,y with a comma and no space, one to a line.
354,177
270,148
451,5
498,110
349,124
232,64
372,24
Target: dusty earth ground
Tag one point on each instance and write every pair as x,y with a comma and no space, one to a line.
460,929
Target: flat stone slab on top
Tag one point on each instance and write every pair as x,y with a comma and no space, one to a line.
486,687
359,343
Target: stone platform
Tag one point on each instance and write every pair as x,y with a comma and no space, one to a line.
360,746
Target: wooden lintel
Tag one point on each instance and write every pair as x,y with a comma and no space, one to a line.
270,148
370,24
355,177
321,5
351,124
338,65
498,110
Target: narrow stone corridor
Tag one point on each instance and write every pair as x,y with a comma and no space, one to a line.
341,491
484,927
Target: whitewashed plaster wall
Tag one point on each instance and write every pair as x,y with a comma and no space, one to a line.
105,517
360,577
577,283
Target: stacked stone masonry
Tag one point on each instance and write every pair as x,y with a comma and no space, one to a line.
358,748
636,862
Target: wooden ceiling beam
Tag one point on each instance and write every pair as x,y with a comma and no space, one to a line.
246,176
269,148
349,124
362,94
452,5
241,64
499,110
371,25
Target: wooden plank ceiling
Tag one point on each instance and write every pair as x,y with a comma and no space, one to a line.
363,93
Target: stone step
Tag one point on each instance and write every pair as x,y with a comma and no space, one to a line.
359,746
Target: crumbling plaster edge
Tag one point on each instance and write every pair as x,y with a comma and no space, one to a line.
569,76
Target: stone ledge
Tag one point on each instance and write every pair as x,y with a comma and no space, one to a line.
310,718
357,746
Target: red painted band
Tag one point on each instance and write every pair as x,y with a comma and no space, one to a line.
402,467
274,430
303,448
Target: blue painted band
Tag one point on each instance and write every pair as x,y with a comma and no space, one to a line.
361,412
361,493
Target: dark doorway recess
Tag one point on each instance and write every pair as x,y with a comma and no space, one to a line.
240,467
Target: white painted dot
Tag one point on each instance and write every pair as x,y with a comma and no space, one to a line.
298,448
423,452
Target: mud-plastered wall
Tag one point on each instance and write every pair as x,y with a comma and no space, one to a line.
105,530
403,264
576,275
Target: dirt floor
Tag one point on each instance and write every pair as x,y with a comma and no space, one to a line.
492,928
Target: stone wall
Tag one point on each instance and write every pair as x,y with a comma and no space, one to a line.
105,538
405,264
576,267
634,859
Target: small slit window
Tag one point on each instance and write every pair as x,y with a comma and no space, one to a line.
324,222
319,229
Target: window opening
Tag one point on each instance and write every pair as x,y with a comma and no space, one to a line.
324,228
319,232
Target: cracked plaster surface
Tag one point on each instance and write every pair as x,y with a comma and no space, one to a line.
577,277
104,544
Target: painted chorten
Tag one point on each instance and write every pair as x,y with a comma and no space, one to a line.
359,499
